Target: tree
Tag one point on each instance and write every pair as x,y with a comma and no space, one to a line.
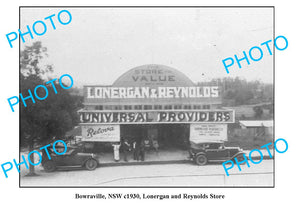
243,95
240,91
45,120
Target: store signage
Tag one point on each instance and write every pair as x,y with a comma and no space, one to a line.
208,132
130,117
105,133
152,74
93,92
153,78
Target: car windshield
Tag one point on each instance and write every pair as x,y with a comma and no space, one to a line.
197,145
70,151
207,145
216,146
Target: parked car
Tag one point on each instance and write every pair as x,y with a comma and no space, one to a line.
214,151
74,157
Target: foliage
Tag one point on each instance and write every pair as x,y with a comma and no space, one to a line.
237,91
48,119
30,61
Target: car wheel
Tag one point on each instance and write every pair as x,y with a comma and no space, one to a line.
201,160
91,164
49,166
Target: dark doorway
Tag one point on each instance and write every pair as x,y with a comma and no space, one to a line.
169,136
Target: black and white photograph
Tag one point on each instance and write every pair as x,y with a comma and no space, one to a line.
147,96
149,106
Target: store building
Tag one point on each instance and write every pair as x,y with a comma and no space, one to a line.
154,101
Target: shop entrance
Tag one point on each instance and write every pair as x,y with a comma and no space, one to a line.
168,136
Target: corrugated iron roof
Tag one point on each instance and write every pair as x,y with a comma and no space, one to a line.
257,123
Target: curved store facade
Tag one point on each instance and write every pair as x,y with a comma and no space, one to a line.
154,101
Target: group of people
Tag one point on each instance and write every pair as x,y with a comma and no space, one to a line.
136,147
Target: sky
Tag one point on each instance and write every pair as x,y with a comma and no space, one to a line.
100,44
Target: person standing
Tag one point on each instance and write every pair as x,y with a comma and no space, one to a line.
135,147
155,145
142,150
116,151
126,149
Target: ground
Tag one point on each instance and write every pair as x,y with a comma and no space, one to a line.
184,174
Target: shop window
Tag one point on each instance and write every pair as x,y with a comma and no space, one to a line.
147,107
187,107
108,107
157,106
117,107
197,106
138,107
99,107
128,107
177,107
168,107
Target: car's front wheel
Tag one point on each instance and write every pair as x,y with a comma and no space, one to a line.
91,164
201,160
49,166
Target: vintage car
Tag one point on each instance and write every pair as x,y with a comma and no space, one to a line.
74,157
214,151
